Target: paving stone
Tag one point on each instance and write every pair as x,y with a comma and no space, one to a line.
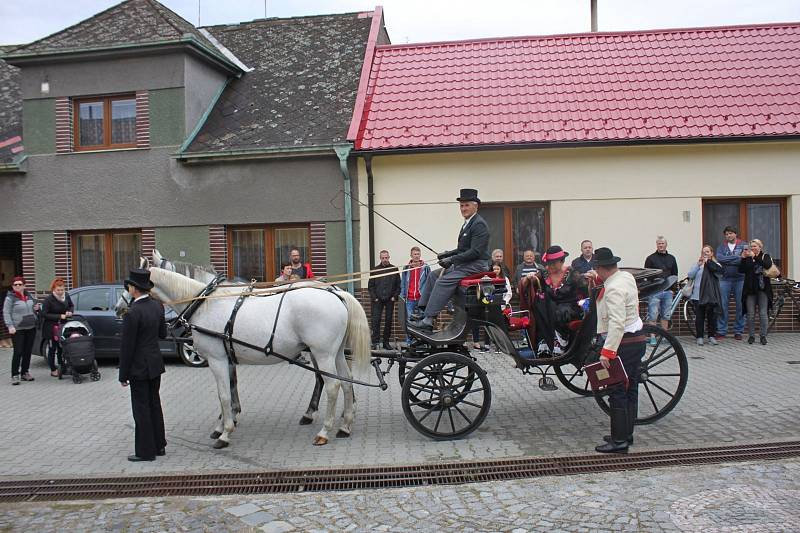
241,510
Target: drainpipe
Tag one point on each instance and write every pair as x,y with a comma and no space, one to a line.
343,152
593,9
370,208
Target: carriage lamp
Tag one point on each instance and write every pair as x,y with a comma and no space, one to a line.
486,286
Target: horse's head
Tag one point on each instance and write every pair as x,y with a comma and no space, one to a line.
121,307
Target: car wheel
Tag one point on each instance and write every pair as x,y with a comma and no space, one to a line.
189,355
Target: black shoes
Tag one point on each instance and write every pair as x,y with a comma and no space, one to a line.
763,340
420,324
620,433
136,458
162,452
751,339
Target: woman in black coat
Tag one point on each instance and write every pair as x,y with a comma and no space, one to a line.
57,307
757,290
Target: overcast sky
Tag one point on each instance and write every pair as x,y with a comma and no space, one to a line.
24,21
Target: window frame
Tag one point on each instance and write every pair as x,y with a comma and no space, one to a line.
108,252
508,222
743,201
271,271
106,101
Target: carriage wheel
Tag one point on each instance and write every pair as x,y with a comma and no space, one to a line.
688,317
446,396
574,379
95,375
76,378
662,381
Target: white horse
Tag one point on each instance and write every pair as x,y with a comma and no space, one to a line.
320,320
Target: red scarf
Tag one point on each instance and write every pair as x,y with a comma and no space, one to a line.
21,295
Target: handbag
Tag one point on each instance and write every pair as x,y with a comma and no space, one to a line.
772,272
687,289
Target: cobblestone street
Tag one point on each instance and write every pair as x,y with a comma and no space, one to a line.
736,393
744,497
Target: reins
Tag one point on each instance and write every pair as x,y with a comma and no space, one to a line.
251,289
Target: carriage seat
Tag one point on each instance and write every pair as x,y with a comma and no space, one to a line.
475,279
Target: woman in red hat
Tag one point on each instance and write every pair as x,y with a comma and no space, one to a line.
19,313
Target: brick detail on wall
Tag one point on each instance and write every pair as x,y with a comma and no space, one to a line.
148,236
28,261
317,245
62,251
142,119
64,141
218,246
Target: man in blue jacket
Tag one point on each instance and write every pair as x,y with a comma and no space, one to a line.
729,255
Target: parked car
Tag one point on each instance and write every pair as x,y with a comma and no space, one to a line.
96,303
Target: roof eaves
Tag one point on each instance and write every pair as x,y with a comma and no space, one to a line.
573,144
366,69
278,152
17,166
18,59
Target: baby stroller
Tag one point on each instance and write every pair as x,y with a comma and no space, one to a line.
77,342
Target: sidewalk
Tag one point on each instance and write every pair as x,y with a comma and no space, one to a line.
736,393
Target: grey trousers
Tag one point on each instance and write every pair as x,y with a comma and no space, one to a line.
760,299
441,287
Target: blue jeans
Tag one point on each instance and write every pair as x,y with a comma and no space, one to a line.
411,306
726,287
658,306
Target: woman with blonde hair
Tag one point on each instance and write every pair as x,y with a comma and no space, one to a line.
706,296
757,290
57,307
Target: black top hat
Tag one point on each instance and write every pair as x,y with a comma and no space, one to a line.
140,279
604,257
468,195
553,254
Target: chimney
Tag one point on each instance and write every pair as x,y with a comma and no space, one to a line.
594,14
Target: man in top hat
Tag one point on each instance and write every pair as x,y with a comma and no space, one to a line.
469,257
618,319
141,365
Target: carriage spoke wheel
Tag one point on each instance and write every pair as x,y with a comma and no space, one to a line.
663,377
446,396
573,379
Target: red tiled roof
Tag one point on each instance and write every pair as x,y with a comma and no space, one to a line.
600,87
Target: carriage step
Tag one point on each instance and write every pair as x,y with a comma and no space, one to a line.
546,383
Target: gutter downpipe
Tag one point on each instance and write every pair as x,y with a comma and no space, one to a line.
343,152
370,208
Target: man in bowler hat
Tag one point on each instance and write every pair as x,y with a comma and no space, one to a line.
141,365
469,257
618,320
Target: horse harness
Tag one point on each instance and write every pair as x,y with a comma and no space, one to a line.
228,340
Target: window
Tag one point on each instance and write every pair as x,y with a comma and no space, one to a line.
92,300
105,122
517,227
103,256
256,252
755,218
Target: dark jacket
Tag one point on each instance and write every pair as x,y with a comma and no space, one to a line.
140,356
52,309
754,279
731,260
581,265
385,287
304,271
665,262
473,243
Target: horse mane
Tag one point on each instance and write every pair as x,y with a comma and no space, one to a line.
187,267
176,283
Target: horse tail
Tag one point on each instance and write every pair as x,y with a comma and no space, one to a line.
358,335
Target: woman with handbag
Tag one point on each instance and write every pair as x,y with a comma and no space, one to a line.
705,293
57,307
757,267
19,313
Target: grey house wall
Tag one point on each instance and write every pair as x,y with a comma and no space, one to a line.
147,188
201,83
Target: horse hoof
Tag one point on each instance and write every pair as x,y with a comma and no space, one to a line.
219,444
342,434
215,435
306,420
320,441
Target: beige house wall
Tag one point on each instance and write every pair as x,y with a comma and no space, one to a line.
621,197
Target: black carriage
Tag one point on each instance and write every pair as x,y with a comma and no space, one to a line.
447,395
